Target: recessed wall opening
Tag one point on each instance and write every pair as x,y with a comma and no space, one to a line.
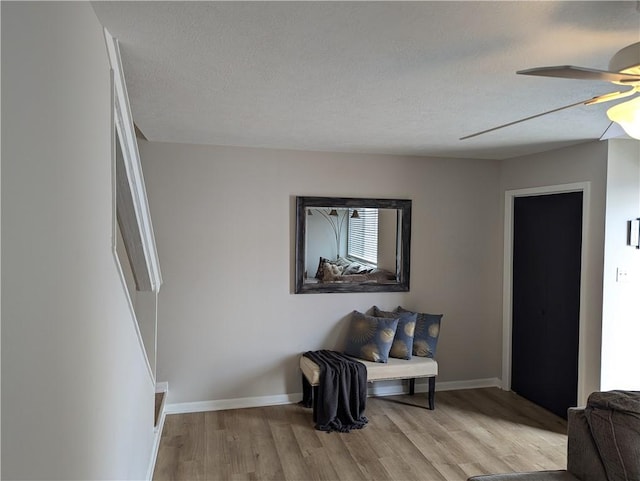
133,241
129,253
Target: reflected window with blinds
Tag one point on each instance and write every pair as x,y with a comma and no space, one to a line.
362,240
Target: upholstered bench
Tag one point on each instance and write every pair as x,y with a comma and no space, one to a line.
411,369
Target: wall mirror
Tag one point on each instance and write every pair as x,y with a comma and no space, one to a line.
352,245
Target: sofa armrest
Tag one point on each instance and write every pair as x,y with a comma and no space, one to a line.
583,458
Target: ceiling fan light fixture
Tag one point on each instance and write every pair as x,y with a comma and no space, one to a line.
627,115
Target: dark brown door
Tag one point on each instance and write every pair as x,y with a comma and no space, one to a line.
547,246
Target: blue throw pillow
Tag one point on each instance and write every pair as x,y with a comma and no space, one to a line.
369,337
425,339
402,346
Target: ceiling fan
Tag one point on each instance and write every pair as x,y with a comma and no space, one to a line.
624,69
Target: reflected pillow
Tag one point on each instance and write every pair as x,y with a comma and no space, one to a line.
425,338
352,268
341,261
331,271
402,346
370,337
320,271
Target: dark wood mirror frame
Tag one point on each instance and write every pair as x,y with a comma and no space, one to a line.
403,256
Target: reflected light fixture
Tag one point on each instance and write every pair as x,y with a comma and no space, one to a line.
334,212
355,215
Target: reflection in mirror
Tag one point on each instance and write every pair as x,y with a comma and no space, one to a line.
358,241
352,245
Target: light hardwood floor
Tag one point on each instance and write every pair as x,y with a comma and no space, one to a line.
475,431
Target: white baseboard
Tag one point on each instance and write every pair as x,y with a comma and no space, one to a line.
157,434
392,388
157,430
471,384
162,387
239,403
377,389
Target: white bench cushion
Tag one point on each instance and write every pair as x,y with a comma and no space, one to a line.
377,371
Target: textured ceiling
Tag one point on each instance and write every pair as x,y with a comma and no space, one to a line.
373,77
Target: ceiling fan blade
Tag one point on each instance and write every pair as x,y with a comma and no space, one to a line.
594,100
581,73
612,96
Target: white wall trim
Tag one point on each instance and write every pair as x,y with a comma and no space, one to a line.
380,391
122,121
239,403
114,235
131,156
157,436
162,387
510,195
134,317
470,384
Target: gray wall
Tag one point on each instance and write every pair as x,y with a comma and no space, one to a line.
77,397
229,326
76,393
581,163
621,303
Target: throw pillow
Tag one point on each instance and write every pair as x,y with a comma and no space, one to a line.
369,337
402,346
425,339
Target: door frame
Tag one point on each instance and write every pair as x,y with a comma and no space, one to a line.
507,299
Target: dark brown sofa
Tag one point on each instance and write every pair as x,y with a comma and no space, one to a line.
603,442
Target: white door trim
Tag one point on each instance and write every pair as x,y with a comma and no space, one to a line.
510,195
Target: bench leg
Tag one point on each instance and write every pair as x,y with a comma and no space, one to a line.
309,396
315,403
307,393
432,390
432,393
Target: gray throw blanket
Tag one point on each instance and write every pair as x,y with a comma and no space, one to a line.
342,392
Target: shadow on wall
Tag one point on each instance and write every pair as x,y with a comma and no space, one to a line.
335,341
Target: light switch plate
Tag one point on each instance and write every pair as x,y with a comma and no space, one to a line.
623,275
